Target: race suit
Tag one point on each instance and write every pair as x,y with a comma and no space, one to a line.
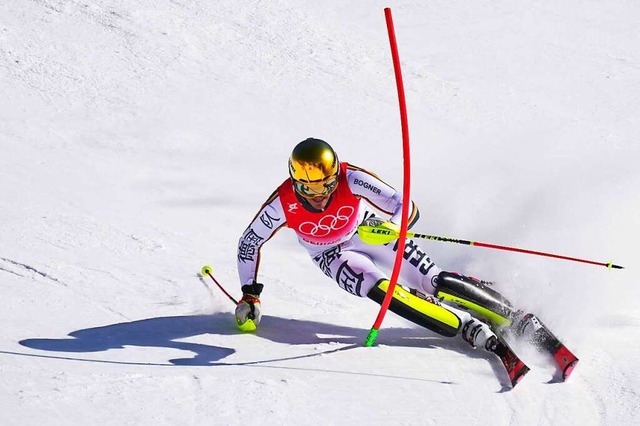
330,236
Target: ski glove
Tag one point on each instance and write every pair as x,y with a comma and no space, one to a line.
378,222
248,309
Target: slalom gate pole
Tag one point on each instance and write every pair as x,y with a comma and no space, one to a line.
376,236
207,270
406,181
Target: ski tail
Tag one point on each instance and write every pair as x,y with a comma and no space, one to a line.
540,336
566,361
515,367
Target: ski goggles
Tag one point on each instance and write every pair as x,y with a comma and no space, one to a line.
320,188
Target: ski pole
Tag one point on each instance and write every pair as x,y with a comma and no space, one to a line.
377,236
207,270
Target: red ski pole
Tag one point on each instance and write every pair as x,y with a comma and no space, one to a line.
207,270
376,235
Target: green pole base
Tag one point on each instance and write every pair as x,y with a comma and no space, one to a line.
371,338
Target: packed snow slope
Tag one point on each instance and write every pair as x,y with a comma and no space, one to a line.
139,138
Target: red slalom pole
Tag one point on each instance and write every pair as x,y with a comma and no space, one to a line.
406,181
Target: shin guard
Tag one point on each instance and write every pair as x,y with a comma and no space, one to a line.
417,310
476,296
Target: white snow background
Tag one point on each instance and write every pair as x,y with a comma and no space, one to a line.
139,138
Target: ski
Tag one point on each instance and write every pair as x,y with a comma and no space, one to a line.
566,361
536,334
546,341
516,369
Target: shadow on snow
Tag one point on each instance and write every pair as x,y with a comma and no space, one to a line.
165,332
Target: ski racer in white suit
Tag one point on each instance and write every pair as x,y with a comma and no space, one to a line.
323,201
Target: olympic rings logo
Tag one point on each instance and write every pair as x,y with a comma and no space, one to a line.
328,223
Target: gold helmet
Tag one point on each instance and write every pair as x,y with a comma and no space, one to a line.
314,167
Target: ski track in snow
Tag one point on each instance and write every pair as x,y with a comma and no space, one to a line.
30,269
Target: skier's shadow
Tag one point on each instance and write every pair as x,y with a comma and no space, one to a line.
167,332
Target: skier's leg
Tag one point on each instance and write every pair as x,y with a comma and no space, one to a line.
427,313
356,273
476,296
442,319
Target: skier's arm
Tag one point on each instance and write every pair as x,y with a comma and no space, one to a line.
379,194
264,225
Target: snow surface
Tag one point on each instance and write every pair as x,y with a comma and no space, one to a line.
138,139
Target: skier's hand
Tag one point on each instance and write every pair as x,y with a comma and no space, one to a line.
248,309
381,223
377,231
390,225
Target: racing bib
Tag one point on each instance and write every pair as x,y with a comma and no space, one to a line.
330,226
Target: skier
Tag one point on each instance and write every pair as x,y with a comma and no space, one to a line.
323,202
